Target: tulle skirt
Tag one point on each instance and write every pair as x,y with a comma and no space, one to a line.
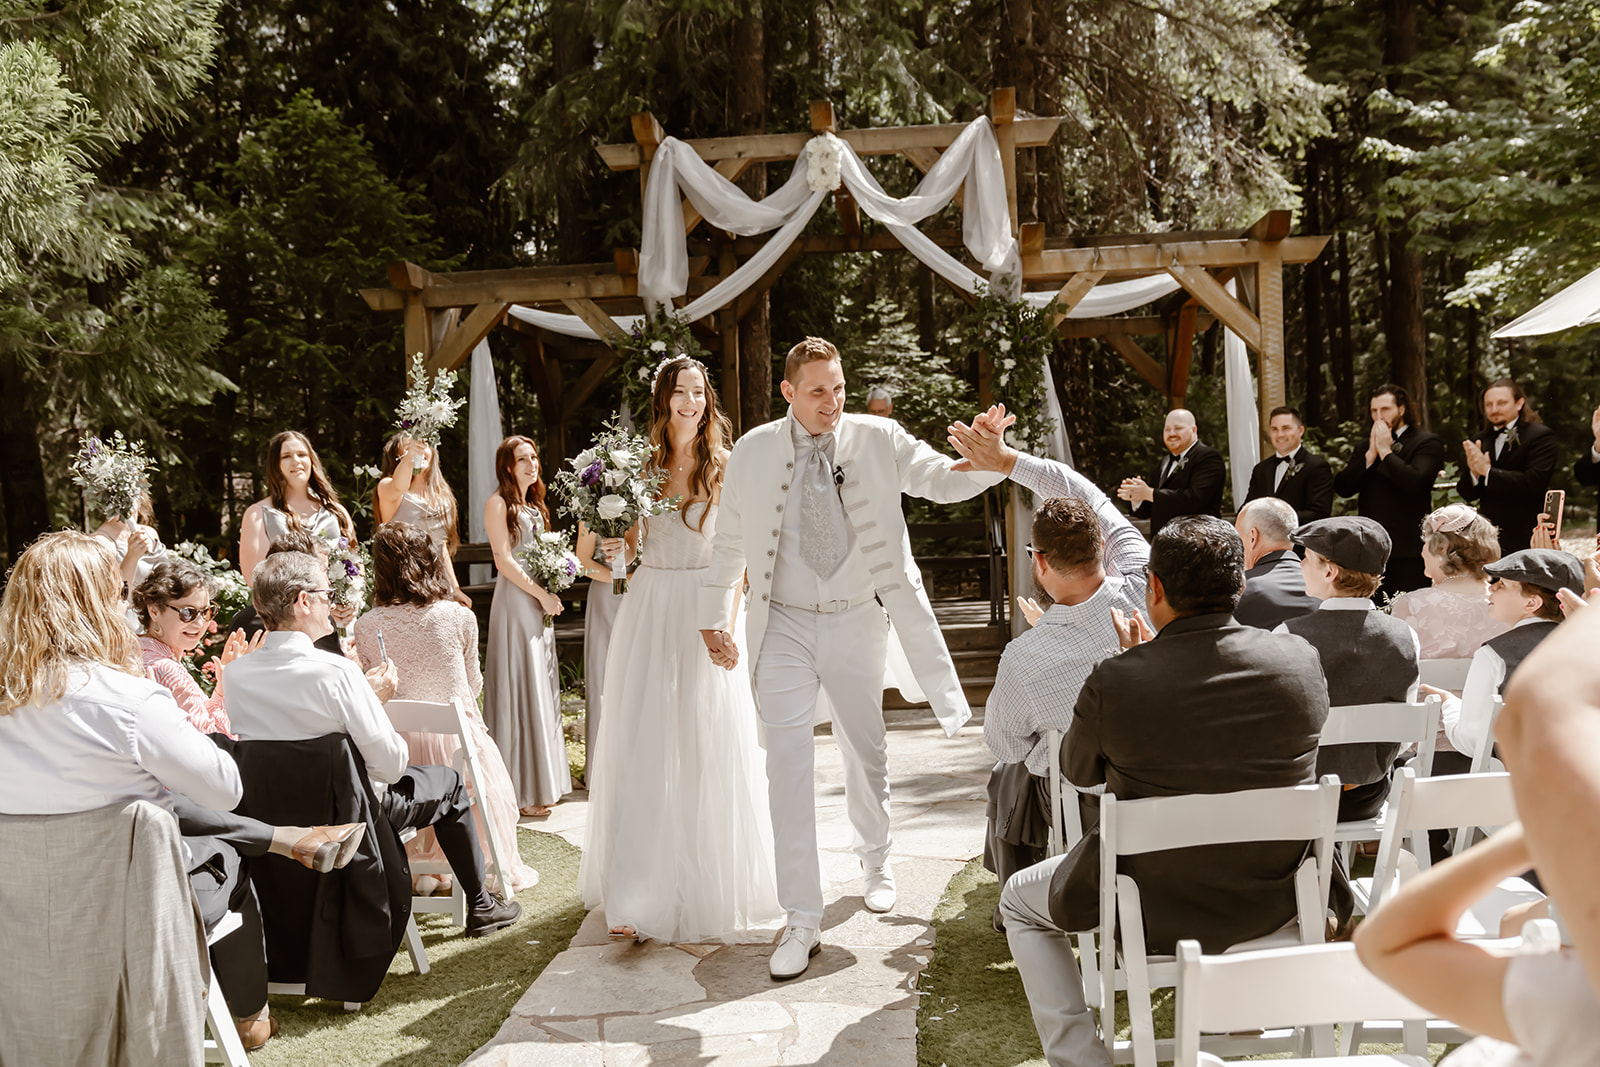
679,842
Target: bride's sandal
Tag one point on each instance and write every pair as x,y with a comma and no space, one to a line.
626,933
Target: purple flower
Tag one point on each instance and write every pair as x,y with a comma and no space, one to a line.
344,543
406,424
571,566
591,474
351,569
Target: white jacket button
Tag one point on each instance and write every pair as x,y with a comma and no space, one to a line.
763,596
784,487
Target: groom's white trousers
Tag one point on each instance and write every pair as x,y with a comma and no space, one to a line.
843,654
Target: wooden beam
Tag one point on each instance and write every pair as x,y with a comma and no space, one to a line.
1061,263
729,323
882,141
921,158
1148,369
408,277
1273,226
849,212
542,290
1030,238
1132,325
418,330
383,299
822,116
730,169
587,384
459,340
1003,113
648,135
1180,353
1220,302
604,327
1077,287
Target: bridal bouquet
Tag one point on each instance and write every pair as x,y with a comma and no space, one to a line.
113,474
348,564
428,408
550,561
611,486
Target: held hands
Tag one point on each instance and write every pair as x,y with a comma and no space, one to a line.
1131,630
720,644
342,614
1135,490
551,603
1477,458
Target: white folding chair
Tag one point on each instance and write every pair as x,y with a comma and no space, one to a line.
1311,986
1158,824
1448,674
1066,825
423,716
1395,722
222,1043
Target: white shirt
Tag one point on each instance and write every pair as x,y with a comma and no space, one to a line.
1361,603
1282,468
1499,445
111,738
1465,719
289,690
793,582
1170,464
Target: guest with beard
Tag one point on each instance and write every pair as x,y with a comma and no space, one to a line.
1509,465
1188,481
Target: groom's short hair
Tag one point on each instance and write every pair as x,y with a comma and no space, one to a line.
808,351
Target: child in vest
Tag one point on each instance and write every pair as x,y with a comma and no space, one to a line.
1367,657
1523,591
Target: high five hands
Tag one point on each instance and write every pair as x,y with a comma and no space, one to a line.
982,446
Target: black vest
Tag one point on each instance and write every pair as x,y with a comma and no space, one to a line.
1368,658
1515,644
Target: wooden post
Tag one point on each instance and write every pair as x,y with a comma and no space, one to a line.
648,132
410,280
1269,281
1003,113
1180,352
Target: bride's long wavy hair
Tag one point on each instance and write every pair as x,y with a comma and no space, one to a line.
711,437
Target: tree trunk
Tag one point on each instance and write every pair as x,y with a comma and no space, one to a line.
1015,67
1404,329
1312,276
22,484
1344,374
927,316
747,42
571,51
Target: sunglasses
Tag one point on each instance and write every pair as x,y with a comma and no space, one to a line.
191,614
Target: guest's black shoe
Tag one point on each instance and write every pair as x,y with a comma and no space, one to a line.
498,916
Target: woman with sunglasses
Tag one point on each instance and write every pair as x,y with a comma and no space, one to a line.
175,609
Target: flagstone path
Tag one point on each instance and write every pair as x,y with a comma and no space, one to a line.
607,1004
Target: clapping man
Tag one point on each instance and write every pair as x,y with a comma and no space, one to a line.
1187,481
1393,483
1294,472
1509,465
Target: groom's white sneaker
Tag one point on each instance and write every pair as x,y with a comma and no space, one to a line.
793,954
879,890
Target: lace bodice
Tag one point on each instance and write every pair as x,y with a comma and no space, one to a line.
434,648
1450,623
672,542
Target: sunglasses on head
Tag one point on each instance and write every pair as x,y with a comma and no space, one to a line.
191,614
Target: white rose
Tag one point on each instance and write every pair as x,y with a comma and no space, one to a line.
621,458
1005,344
611,506
644,374
439,411
658,346
583,459
1008,363
616,478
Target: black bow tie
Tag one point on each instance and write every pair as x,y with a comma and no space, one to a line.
1498,430
1285,459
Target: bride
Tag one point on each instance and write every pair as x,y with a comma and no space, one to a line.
679,842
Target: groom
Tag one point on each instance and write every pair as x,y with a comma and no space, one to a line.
810,512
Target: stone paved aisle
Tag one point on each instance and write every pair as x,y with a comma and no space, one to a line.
605,1004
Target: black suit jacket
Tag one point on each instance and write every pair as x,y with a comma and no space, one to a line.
1193,489
1396,492
1309,490
1274,592
1512,494
1209,706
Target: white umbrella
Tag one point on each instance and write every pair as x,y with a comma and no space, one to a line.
1576,305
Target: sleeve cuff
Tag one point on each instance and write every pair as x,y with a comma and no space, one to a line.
716,607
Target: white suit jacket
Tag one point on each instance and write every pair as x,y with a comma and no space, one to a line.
880,460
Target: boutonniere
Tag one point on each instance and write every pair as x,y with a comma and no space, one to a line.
1512,437
1178,465
1295,467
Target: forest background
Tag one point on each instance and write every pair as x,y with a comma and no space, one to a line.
191,193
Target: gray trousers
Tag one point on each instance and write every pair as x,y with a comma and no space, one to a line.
1049,970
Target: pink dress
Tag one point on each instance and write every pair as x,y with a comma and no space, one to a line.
435,652
163,666
1450,623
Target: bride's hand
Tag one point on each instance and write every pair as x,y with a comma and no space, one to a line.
720,644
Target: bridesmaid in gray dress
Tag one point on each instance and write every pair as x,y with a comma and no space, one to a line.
299,497
415,491
521,702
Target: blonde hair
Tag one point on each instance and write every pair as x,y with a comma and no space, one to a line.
1463,541
810,350
61,611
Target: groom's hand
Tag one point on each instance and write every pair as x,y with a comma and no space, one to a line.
719,643
982,446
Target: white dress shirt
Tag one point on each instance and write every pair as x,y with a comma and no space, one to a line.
111,737
793,582
1283,468
1170,463
1465,719
1362,603
289,690
1499,445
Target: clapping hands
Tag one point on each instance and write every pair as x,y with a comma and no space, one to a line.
1477,458
1131,630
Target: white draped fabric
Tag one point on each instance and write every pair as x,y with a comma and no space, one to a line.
483,437
1576,305
1244,424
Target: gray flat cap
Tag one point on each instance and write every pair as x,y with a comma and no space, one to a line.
1546,568
1351,541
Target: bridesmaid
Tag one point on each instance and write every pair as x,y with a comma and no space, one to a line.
599,613
521,704
137,545
299,497
414,490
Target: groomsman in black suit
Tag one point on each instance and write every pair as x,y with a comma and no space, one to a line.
1509,465
1294,473
1393,482
1187,481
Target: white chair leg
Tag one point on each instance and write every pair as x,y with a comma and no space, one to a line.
458,897
352,1005
225,1046
419,955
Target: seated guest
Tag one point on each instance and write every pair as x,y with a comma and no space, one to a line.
1208,705
1452,616
1074,538
1274,588
175,610
247,622
1295,473
1367,657
288,690
1187,481
433,641
1523,595
81,727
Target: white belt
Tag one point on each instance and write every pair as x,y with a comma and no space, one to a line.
830,607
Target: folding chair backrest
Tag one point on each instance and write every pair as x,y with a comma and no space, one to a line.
1448,674
1481,762
1066,825
1154,824
1396,722
1421,804
1309,985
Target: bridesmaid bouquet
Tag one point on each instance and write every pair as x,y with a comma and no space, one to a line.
113,474
611,486
348,564
550,561
428,408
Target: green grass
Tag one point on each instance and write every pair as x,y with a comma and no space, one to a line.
443,1016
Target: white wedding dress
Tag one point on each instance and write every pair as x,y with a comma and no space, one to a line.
679,840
